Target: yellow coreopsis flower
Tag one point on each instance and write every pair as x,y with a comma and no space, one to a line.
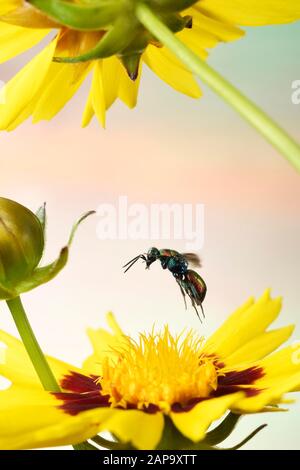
135,389
42,87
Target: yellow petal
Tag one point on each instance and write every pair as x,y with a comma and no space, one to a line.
128,89
284,362
169,69
27,15
31,418
9,5
102,342
222,31
104,90
194,424
98,95
143,430
117,84
271,394
198,40
259,347
111,80
243,325
88,112
62,82
16,366
14,40
252,12
21,90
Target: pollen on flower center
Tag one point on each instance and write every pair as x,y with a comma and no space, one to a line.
158,370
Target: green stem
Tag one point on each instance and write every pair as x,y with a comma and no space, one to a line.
35,353
247,439
284,143
32,347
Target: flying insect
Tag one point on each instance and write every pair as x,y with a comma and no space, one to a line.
189,281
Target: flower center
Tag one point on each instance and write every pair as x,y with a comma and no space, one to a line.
159,370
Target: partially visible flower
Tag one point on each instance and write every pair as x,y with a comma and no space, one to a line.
42,88
22,239
138,389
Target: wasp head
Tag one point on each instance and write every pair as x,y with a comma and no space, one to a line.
152,255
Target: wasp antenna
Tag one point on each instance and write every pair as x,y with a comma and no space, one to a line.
132,260
131,264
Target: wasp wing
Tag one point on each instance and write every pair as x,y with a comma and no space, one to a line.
193,259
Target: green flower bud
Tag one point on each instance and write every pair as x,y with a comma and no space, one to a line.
22,241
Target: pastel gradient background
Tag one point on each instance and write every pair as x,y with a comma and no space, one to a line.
169,149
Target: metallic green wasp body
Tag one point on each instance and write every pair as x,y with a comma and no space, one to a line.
189,281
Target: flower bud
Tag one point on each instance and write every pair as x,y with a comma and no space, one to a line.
21,249
21,242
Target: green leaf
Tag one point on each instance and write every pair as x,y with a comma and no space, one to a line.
247,439
6,294
45,273
172,439
76,225
81,17
41,215
221,432
114,41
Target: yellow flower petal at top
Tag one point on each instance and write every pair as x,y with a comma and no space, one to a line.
14,40
134,389
8,5
23,25
21,91
253,12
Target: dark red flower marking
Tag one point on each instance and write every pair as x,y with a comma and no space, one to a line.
75,382
84,392
230,382
184,407
241,377
235,381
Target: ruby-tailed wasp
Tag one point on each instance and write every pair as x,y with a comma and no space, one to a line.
189,281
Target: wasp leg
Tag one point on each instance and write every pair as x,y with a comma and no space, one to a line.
198,300
191,293
203,314
182,292
164,262
195,308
